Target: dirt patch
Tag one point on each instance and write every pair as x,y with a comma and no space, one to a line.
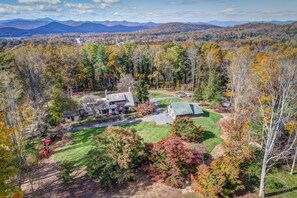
48,186
218,151
46,183
66,139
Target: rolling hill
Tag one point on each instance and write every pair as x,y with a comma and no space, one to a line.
169,28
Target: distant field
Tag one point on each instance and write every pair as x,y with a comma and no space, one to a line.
158,95
164,103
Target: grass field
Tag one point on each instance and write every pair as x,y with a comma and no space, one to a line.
149,131
211,134
82,143
164,103
158,95
101,95
281,184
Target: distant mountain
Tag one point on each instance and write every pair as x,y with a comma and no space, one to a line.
168,28
59,28
227,23
128,24
27,24
52,28
234,23
13,32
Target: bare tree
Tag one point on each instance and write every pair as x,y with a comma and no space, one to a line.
276,95
240,86
294,161
125,83
192,54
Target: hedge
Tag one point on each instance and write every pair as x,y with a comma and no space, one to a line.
96,121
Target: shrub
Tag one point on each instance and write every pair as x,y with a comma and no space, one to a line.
131,115
66,170
221,109
146,108
172,162
221,178
116,152
186,129
99,120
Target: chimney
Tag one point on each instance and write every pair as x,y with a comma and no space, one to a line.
129,89
105,93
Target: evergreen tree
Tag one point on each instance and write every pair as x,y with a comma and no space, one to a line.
142,93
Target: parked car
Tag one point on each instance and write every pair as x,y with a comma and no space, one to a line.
189,95
181,95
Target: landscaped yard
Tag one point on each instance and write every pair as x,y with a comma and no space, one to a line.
158,95
149,131
211,135
82,143
281,184
164,103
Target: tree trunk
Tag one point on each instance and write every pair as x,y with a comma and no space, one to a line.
294,161
262,179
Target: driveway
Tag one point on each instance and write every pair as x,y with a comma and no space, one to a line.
159,117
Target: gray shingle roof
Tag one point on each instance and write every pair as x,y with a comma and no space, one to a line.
125,96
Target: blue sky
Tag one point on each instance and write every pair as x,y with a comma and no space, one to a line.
151,10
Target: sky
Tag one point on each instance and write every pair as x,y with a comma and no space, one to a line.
159,11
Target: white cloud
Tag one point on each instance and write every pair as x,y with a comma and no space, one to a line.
230,11
83,6
54,2
106,3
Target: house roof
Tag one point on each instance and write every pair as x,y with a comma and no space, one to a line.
196,109
125,96
186,108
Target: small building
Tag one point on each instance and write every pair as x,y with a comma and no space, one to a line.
70,117
184,108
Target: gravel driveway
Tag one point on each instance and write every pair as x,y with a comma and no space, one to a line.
159,117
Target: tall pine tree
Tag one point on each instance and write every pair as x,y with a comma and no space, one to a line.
142,93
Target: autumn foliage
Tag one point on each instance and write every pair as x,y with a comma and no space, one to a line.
7,168
186,129
172,162
220,178
146,108
117,151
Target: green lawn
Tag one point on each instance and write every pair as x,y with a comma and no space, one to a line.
211,134
149,131
158,95
82,143
164,103
281,184
101,95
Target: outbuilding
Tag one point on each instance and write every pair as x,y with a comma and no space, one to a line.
184,108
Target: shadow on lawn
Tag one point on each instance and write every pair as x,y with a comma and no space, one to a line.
281,192
207,135
205,113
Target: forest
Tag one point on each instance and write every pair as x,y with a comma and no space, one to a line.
257,75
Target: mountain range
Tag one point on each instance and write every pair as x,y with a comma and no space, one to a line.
25,27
